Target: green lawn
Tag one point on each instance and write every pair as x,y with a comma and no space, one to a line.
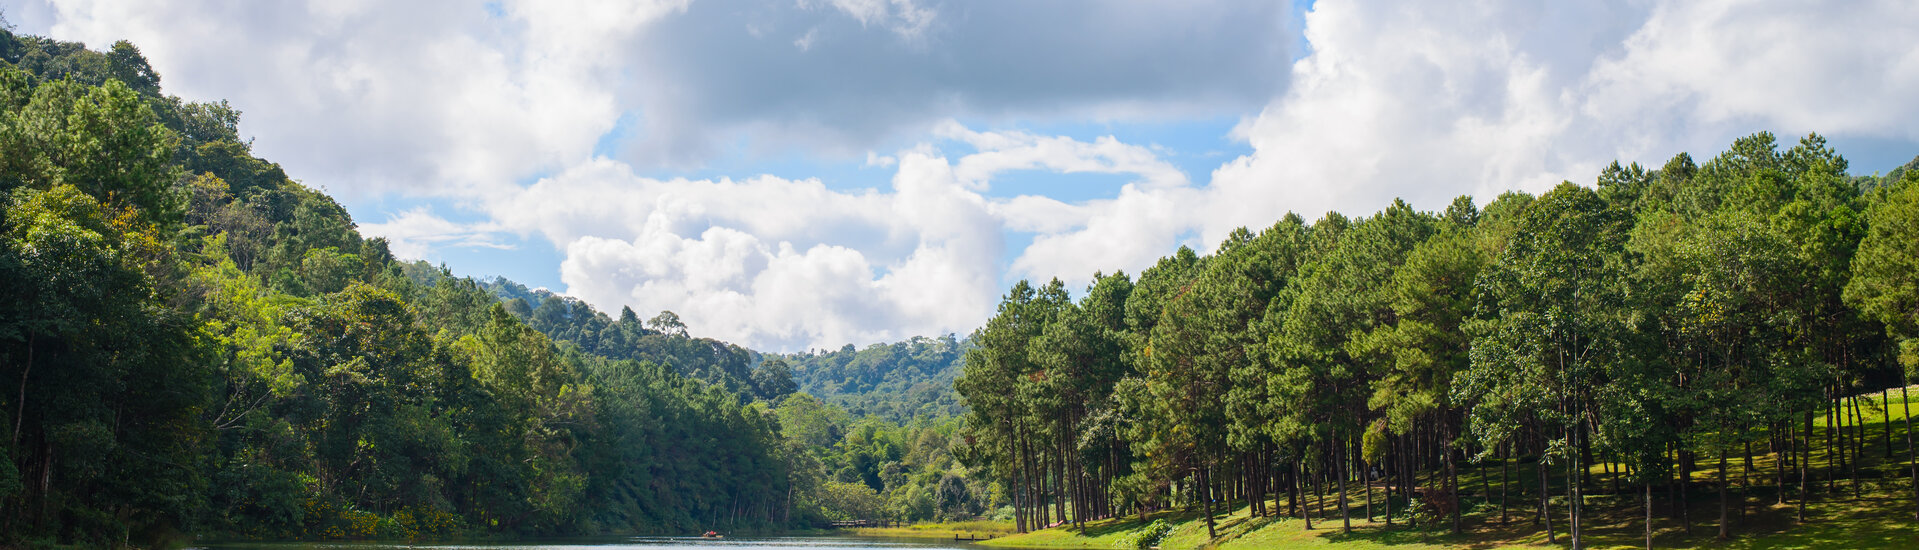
943,530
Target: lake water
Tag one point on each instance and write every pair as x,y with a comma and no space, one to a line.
636,543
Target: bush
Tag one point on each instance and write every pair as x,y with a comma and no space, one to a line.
1147,537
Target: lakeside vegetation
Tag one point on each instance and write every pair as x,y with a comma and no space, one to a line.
193,343
1635,336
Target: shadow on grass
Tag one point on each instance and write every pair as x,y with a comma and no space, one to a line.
1100,528
1396,536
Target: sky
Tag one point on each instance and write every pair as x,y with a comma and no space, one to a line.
792,175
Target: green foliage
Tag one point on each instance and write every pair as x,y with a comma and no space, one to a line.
192,341
897,381
1145,537
1885,274
1655,318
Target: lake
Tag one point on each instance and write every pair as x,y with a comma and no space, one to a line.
633,543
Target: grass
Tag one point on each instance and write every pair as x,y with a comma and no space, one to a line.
1876,511
942,530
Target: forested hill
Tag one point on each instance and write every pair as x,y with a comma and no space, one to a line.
193,342
897,382
662,339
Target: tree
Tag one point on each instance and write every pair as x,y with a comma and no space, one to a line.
1550,297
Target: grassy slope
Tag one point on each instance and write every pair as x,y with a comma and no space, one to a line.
1880,516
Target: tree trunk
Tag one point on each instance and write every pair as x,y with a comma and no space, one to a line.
1912,457
1835,451
1365,477
1205,488
1574,481
1545,497
1858,444
20,406
1805,466
1292,490
1299,492
1685,503
1505,465
1782,451
1885,404
1725,520
1648,513
1391,458
1339,471
1452,473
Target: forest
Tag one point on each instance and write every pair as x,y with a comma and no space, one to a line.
194,344
1610,342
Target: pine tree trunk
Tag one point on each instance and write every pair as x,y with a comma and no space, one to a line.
1805,466
1835,453
1545,497
20,406
1685,503
1648,513
1205,487
1725,525
1858,444
1292,491
1452,472
1365,477
1574,481
1339,472
1391,458
1505,465
1299,491
1885,404
1911,457
1782,451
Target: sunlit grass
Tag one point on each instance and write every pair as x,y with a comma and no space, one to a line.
941,530
1880,516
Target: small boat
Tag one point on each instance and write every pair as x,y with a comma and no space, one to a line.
712,535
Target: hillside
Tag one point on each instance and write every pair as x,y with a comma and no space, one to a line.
898,381
194,343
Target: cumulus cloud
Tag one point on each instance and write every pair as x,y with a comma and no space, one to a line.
416,233
1427,101
371,97
1420,101
452,98
841,76
792,264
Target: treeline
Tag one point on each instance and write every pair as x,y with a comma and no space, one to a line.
1639,331
192,342
899,381
662,339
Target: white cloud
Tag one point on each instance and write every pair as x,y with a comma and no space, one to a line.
416,233
1428,101
789,264
1421,101
451,97
899,16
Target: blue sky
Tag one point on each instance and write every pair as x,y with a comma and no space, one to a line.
804,174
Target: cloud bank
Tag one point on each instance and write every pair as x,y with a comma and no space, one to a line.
509,112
